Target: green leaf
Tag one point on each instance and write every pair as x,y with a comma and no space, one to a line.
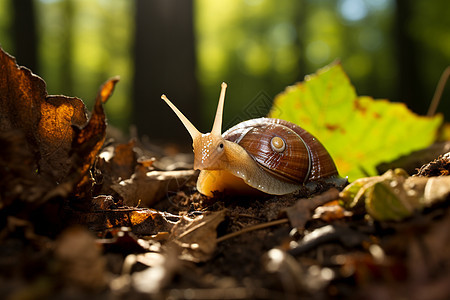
394,195
358,131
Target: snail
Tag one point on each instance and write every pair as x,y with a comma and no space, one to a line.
264,154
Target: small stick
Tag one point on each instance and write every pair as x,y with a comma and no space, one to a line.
252,228
438,92
250,216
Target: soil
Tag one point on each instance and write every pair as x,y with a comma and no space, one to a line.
438,167
355,258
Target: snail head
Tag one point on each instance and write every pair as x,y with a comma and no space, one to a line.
209,148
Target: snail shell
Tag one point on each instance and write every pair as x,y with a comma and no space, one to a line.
301,159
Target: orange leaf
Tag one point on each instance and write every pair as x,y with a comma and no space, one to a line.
45,120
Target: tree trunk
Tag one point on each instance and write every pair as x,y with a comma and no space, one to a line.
24,34
300,23
409,86
66,64
164,64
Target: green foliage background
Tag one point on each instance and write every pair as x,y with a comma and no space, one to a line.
256,46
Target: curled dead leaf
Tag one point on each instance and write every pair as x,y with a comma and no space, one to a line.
331,211
46,121
142,221
197,237
89,139
116,162
147,188
302,211
58,144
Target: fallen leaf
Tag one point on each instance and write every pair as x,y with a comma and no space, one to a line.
89,138
122,240
38,130
394,195
197,237
19,179
147,188
117,162
58,144
46,121
331,211
302,211
359,132
103,202
141,220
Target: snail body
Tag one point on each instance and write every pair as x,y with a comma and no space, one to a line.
272,156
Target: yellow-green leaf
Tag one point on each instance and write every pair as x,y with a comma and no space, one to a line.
394,195
358,131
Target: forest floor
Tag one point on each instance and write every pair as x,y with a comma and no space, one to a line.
225,247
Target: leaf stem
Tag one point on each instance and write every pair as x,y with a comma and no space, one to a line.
252,228
438,92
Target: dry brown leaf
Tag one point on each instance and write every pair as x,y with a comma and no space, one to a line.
123,240
147,188
19,179
114,164
142,221
302,211
197,237
57,144
46,121
36,133
331,211
89,139
121,161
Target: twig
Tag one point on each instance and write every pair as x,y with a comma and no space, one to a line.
438,92
249,216
252,228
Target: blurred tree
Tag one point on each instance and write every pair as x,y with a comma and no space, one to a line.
393,49
429,28
164,62
84,42
23,31
67,57
255,46
409,86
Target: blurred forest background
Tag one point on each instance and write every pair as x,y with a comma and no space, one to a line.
395,49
